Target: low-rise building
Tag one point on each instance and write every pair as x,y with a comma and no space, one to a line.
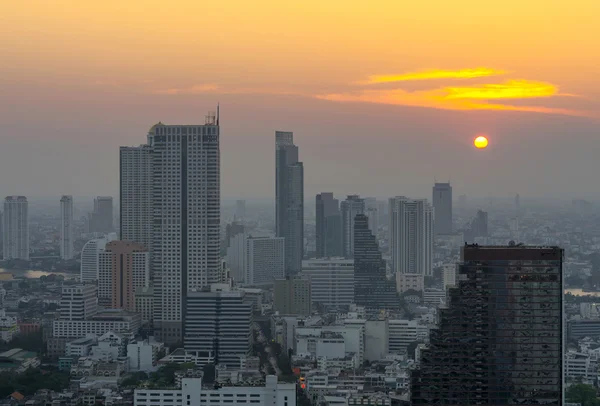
143,355
18,360
191,392
8,326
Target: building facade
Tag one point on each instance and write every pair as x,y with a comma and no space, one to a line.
500,340
136,193
78,302
90,258
411,235
265,260
289,200
442,208
351,207
101,219
15,228
328,229
124,267
331,280
219,320
292,296
372,289
193,393
186,218
66,227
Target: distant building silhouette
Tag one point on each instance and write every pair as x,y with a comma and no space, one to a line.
442,208
66,227
351,207
289,200
15,228
328,229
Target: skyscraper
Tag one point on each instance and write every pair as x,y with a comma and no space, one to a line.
352,206
240,210
500,339
372,289
219,320
15,230
411,236
265,260
442,208
186,218
66,227
328,229
101,219
90,256
124,267
289,200
292,296
136,195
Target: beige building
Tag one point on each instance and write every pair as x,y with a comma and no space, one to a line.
409,281
293,296
144,303
124,267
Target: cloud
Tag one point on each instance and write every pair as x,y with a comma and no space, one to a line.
194,89
433,74
511,89
219,89
477,97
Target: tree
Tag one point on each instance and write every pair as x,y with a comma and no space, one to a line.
586,395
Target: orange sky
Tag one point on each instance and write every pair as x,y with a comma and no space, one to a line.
313,48
405,84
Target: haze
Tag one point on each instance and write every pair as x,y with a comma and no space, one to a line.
382,96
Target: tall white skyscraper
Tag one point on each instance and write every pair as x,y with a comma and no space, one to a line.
136,194
90,254
352,206
15,231
411,236
186,218
289,200
66,227
265,260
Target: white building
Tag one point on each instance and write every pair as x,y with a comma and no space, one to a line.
80,347
117,321
192,393
582,366
90,255
136,195
404,332
144,303
449,275
8,327
15,228
411,235
143,355
408,281
66,227
186,185
352,337
219,320
78,302
265,260
434,297
332,281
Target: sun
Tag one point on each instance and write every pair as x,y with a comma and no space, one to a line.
480,142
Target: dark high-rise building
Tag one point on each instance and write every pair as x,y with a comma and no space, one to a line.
499,341
329,226
442,208
289,200
101,219
478,227
372,289
352,206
